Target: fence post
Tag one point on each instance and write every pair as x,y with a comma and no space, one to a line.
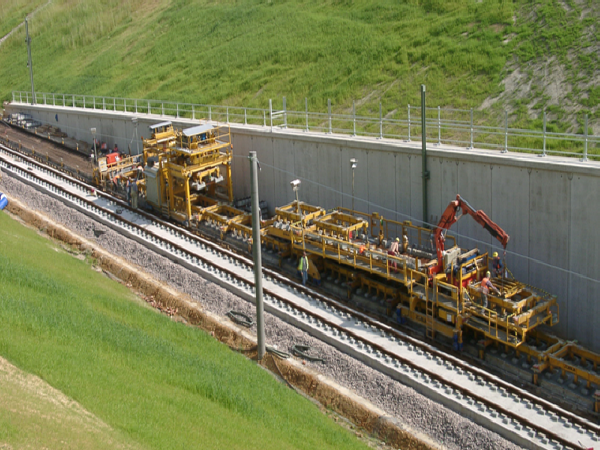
114,103
103,103
353,118
306,108
264,118
585,142
409,123
163,109
177,113
84,102
94,102
505,132
64,100
380,122
439,142
284,114
124,105
227,114
245,117
53,100
329,111
136,106
149,108
471,146
209,113
544,134
73,100
271,113
193,113
44,99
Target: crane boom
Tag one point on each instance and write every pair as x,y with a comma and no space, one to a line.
450,217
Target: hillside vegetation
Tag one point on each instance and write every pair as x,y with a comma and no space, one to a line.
517,55
146,381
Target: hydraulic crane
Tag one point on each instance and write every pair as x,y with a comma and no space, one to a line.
451,215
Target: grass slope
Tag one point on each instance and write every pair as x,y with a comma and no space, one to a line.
247,51
243,52
158,383
34,415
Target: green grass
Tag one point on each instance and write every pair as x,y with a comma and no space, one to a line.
245,52
33,415
158,383
14,12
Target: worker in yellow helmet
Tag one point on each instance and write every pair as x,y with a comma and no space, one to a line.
497,265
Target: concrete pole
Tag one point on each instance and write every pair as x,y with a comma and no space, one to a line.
353,191
29,62
93,130
256,253
425,174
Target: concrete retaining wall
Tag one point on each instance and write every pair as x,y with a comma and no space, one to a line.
549,206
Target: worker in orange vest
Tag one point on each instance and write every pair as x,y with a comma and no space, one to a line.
486,285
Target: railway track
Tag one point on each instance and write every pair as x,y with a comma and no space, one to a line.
515,414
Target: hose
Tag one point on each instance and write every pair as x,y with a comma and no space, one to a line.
301,351
240,318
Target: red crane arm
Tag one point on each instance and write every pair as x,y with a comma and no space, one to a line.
450,217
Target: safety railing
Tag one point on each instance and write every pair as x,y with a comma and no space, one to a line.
444,126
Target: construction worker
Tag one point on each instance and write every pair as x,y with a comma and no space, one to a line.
395,247
128,191
134,194
497,265
303,268
486,285
404,243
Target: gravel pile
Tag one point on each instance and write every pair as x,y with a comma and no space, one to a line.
451,430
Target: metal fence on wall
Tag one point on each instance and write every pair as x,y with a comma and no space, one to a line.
448,126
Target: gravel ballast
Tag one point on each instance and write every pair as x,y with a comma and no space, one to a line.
400,402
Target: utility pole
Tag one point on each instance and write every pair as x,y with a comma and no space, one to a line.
424,155
256,253
29,63
353,164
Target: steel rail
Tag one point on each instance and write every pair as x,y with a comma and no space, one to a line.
318,297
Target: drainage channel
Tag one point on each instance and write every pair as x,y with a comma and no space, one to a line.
515,414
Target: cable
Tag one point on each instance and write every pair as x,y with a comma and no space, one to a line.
302,352
240,318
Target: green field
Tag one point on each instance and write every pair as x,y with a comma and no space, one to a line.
244,52
154,382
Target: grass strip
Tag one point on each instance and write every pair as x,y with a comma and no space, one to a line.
161,384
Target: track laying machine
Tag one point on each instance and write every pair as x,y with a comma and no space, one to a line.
410,272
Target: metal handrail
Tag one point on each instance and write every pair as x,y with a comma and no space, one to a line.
444,128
